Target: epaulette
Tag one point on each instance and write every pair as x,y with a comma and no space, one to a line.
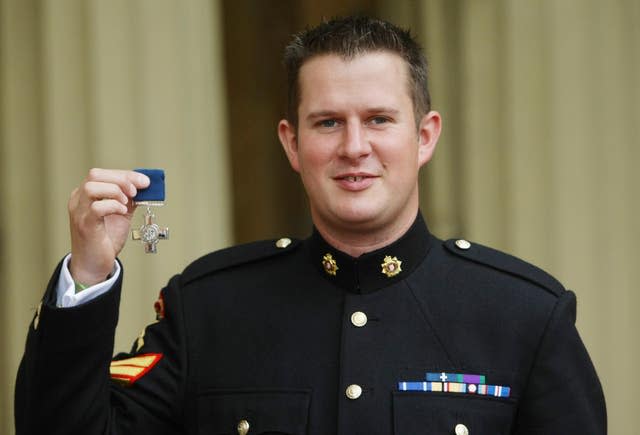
235,256
504,262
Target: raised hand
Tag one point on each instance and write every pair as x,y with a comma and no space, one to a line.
100,213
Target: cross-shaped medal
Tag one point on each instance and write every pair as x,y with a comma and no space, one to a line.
153,196
150,233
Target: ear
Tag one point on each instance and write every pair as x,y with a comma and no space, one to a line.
428,134
289,141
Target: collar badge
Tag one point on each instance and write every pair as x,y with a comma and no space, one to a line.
391,266
329,264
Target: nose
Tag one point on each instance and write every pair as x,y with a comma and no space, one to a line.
355,143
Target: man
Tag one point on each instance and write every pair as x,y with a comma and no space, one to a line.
369,326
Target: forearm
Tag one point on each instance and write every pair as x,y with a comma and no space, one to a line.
63,383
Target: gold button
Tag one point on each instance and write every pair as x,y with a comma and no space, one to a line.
354,391
243,427
463,244
461,429
283,242
359,319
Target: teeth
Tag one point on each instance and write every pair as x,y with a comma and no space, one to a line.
353,179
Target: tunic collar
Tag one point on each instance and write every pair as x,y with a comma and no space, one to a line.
373,270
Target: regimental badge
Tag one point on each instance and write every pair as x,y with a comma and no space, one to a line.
391,266
127,371
329,264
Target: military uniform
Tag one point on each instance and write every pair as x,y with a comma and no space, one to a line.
295,337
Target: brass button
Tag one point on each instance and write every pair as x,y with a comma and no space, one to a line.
243,427
463,244
283,243
354,391
359,319
461,429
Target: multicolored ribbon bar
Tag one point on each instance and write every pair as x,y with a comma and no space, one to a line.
456,377
420,386
494,390
456,387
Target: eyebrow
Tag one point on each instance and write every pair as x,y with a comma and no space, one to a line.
321,114
382,109
370,110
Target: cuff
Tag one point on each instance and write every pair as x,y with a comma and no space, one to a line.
66,295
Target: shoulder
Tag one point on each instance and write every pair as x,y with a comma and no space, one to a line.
502,263
237,256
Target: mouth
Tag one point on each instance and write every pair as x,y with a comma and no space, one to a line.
355,182
354,178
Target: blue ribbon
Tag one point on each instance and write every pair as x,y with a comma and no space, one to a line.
155,191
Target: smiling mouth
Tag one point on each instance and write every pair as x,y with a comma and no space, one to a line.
355,183
354,178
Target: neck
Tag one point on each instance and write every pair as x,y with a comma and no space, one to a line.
365,239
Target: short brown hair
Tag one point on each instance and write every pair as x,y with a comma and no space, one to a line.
350,37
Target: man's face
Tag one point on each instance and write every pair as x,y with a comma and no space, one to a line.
357,147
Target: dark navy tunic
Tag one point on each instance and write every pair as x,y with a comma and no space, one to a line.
304,339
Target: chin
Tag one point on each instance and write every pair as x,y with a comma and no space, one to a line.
359,215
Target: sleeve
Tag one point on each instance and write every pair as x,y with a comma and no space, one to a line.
66,295
563,393
67,382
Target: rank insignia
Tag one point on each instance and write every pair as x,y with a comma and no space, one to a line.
329,264
128,371
391,266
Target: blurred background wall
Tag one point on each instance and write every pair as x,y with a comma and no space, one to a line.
538,156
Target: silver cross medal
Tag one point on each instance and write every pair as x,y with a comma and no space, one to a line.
151,233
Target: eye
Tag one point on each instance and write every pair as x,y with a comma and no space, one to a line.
378,120
328,123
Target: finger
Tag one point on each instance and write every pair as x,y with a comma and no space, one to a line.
108,207
97,190
129,181
73,199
